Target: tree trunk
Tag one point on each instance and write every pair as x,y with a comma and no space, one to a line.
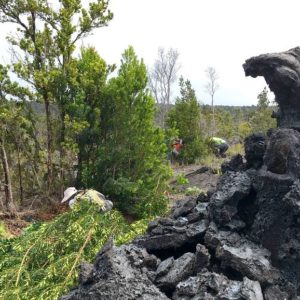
213,115
9,202
79,169
49,141
62,152
20,178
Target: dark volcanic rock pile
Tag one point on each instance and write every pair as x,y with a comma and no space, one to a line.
241,241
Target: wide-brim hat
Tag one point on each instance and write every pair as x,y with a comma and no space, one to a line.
69,193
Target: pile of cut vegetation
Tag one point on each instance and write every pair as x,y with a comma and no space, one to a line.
43,262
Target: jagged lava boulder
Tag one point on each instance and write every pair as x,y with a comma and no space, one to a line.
118,273
255,147
283,152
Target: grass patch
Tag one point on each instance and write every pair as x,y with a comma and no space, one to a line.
236,149
193,191
214,162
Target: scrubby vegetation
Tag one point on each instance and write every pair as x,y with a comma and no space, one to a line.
43,262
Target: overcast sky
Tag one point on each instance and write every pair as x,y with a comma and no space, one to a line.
217,33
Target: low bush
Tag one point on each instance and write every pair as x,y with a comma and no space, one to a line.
181,179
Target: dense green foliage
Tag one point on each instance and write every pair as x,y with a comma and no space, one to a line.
43,262
122,153
137,148
85,113
185,118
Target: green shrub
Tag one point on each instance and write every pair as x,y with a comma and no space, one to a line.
130,154
181,179
185,117
43,262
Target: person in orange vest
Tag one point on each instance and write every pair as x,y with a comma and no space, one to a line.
176,148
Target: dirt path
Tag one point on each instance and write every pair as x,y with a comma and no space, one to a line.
200,177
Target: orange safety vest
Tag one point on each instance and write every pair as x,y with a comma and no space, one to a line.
178,147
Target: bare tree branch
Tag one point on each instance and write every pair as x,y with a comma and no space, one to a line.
211,87
161,78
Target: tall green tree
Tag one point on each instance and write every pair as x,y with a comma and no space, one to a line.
185,118
45,43
131,159
84,129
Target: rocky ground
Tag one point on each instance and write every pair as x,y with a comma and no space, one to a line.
240,241
199,178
